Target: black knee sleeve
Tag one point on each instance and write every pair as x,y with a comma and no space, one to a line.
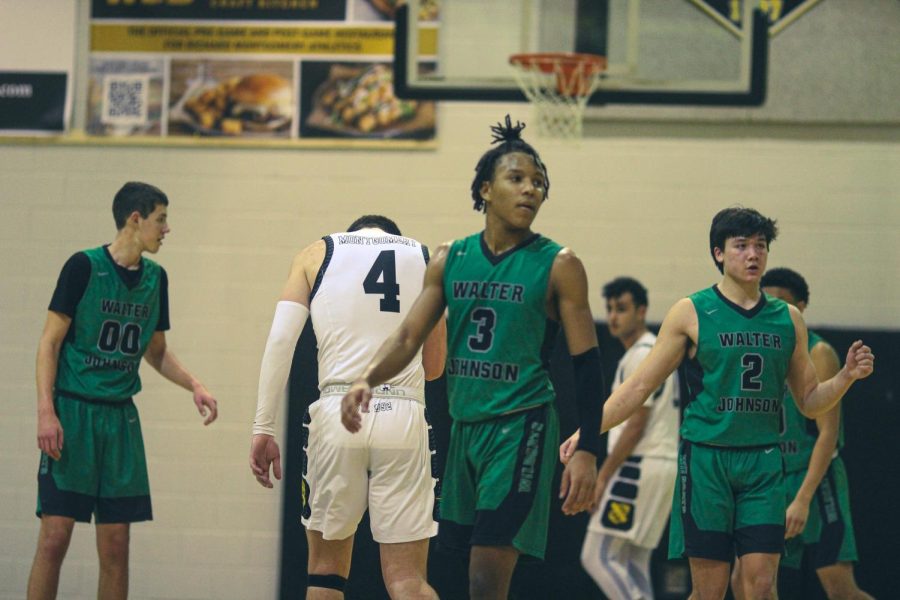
332,582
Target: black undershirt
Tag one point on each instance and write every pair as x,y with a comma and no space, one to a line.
73,281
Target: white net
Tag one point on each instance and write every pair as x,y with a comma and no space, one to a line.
558,86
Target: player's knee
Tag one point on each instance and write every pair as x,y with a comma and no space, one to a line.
411,586
326,581
53,544
485,583
112,549
761,585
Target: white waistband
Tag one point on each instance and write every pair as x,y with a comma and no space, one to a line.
384,390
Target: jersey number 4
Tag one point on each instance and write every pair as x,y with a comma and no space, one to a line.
382,280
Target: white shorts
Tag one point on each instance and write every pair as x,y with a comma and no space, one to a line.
637,501
385,467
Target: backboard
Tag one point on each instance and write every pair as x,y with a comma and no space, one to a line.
659,51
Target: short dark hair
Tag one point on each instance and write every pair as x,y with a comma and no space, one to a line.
377,221
509,140
788,279
623,285
136,196
738,221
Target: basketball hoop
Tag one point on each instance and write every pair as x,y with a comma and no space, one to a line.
558,84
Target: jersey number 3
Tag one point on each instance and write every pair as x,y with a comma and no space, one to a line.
485,320
384,269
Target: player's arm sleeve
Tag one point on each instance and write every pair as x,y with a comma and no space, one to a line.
589,398
290,317
163,324
71,284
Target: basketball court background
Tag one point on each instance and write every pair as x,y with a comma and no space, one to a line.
635,197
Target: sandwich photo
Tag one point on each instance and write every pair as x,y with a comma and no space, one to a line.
253,103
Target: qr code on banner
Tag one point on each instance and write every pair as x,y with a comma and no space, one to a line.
125,99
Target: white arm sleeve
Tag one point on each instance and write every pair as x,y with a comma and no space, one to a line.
290,317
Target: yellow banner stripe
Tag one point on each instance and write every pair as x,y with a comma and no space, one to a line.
316,40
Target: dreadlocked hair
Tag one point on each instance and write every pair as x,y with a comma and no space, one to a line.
508,138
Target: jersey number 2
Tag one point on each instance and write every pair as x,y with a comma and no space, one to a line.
384,268
753,366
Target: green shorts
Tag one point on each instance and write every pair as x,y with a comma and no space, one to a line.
728,502
102,468
828,536
497,482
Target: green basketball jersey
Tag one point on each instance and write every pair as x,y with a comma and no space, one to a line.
736,380
112,329
498,337
798,434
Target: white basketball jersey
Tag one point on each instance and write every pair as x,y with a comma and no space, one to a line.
366,285
661,433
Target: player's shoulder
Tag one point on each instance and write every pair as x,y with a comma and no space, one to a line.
442,250
312,252
642,346
79,259
646,341
566,261
795,315
684,307
681,318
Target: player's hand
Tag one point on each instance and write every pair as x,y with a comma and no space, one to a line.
50,435
860,360
599,488
568,447
795,519
206,404
355,400
264,453
578,478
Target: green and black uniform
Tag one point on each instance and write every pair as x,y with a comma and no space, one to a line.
828,534
505,431
730,489
115,312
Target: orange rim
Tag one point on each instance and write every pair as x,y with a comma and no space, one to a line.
546,61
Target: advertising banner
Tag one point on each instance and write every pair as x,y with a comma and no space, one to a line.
252,69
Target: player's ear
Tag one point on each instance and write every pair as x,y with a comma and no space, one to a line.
485,190
719,255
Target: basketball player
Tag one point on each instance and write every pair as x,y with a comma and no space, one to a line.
741,346
356,286
818,517
637,477
505,288
110,308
